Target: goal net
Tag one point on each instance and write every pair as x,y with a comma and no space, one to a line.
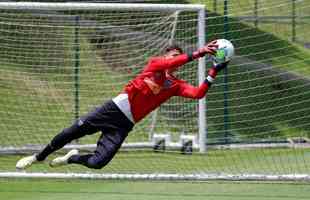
60,60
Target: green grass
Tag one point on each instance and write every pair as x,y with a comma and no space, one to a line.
249,161
267,161
33,189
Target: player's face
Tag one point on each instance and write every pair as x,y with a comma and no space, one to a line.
172,54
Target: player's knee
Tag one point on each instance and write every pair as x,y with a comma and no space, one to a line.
96,163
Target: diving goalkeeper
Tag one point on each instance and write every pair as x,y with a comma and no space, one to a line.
116,118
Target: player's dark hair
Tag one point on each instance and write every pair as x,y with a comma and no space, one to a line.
174,47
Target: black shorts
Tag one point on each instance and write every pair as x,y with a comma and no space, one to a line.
114,126
107,118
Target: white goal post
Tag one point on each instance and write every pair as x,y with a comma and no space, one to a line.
200,9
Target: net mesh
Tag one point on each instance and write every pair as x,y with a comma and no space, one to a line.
57,65
66,63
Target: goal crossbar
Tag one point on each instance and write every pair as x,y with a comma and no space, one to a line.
99,6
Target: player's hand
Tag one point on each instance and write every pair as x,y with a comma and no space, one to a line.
219,66
211,76
212,72
209,48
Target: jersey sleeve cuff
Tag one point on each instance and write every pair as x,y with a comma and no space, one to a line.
209,80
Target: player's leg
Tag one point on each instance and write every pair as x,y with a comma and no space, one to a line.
74,132
115,126
107,146
79,129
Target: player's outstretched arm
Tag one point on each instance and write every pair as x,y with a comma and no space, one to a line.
160,63
221,51
189,91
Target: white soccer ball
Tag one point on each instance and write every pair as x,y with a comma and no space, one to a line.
224,52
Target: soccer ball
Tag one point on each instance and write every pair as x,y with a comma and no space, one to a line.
224,52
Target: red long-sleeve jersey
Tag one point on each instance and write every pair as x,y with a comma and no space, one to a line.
155,85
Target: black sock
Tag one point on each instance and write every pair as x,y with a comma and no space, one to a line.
45,152
60,140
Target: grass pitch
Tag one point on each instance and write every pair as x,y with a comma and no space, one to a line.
274,161
34,189
239,161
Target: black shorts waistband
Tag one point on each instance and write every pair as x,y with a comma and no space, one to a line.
107,117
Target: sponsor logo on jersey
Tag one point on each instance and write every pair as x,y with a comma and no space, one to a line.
167,83
154,87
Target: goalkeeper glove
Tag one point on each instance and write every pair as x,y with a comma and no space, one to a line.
210,48
213,72
219,66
